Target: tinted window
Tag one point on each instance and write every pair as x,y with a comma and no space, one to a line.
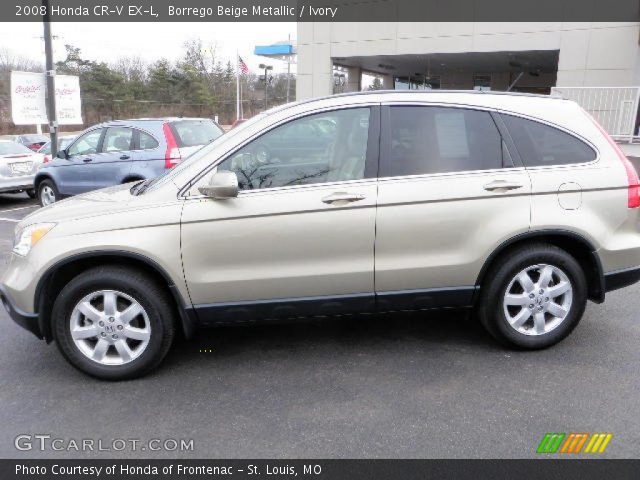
117,139
424,140
192,133
325,147
147,142
540,144
87,144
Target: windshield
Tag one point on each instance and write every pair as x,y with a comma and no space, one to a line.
13,148
62,144
169,174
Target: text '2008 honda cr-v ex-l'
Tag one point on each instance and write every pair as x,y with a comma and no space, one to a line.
519,207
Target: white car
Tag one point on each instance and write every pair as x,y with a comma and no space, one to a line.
18,166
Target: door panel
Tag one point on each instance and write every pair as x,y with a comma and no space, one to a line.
450,195
280,245
74,175
299,238
113,164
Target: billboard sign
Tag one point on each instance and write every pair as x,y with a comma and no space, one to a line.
28,93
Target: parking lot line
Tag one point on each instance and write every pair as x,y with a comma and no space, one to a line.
9,219
19,208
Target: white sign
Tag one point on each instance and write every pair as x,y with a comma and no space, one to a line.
68,105
28,105
28,98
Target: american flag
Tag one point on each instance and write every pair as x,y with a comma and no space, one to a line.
242,66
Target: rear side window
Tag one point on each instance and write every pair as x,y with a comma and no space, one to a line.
192,133
147,142
540,144
424,140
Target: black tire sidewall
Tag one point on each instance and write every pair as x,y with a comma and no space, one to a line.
111,279
493,309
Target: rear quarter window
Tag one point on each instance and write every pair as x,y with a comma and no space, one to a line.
542,145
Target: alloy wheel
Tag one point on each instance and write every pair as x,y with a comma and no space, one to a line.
110,327
538,299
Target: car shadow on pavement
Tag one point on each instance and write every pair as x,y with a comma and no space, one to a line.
345,335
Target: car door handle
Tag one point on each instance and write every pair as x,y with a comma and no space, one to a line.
87,160
343,197
502,185
125,157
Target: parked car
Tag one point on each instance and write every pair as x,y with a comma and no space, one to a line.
18,166
519,207
45,150
33,141
122,151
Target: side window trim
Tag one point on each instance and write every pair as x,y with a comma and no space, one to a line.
507,141
372,160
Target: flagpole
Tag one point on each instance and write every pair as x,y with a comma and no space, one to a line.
237,86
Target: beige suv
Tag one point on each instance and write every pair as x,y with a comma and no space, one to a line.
517,206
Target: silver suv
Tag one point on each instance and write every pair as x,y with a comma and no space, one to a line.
519,207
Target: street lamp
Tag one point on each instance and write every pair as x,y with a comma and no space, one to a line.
266,68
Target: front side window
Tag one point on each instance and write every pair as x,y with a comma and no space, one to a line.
319,148
87,144
117,139
540,144
426,140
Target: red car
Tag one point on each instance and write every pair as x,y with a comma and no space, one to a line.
33,141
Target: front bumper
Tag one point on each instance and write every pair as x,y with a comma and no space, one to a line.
28,321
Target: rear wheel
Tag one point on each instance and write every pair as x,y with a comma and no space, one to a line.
533,298
47,192
113,323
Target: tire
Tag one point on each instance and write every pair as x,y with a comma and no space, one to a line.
154,327
48,192
31,193
502,316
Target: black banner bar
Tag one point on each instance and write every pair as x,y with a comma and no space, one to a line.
320,469
323,10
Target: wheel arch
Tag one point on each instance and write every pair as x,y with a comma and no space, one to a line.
573,243
58,275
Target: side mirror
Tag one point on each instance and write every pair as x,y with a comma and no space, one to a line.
62,154
221,185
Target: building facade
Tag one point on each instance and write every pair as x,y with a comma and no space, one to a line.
521,57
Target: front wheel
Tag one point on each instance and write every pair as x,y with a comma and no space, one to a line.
534,298
113,323
47,193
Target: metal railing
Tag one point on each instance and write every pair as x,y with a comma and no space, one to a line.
615,108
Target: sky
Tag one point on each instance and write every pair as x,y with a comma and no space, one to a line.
150,41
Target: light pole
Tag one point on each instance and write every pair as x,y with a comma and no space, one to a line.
266,69
50,75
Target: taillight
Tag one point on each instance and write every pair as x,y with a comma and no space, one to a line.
46,159
632,176
172,156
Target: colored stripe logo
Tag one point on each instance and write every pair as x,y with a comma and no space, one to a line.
574,443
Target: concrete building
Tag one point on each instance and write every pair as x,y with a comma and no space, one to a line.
522,57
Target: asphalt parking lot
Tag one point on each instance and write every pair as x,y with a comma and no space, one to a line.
403,386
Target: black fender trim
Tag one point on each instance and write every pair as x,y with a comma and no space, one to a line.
597,292
188,322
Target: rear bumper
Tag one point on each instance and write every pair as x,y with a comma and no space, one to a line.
13,184
28,321
621,278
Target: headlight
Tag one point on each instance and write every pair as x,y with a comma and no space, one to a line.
27,237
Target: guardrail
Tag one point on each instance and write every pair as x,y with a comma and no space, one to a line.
615,108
